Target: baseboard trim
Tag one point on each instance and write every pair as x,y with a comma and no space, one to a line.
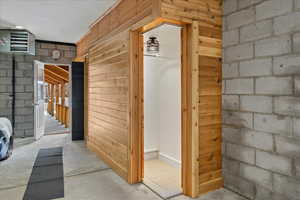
170,160
211,185
151,154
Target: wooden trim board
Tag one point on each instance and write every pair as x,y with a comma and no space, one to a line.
137,105
194,139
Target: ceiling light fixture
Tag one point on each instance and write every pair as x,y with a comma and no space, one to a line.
153,45
19,27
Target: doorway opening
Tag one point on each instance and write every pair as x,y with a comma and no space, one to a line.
57,99
51,99
162,110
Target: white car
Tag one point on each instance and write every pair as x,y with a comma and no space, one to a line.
6,139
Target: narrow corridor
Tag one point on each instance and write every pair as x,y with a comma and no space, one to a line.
53,126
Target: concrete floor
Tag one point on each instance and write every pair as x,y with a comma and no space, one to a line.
86,176
53,126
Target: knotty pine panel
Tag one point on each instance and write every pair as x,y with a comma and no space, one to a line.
206,12
210,87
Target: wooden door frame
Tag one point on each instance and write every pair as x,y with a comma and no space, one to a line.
189,139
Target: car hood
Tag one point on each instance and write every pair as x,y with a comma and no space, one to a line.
5,127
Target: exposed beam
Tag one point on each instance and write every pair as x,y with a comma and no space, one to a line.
64,74
56,75
50,82
53,80
64,67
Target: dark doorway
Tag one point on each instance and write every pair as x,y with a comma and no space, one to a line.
77,101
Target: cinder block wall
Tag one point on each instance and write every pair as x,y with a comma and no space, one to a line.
24,83
261,98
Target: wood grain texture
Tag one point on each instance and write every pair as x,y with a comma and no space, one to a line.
206,12
125,14
114,108
194,56
205,17
210,106
136,139
107,103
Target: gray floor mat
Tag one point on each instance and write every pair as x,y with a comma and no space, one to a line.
47,177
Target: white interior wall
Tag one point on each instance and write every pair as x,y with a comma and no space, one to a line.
162,85
151,102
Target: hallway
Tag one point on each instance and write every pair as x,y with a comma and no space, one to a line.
52,126
85,176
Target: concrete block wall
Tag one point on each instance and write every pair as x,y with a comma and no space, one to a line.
24,118
261,98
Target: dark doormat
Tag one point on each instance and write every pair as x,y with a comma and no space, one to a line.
47,177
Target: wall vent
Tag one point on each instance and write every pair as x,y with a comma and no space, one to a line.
17,41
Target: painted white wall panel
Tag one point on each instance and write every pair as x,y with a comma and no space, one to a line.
162,92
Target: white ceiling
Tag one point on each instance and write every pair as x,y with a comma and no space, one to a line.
53,20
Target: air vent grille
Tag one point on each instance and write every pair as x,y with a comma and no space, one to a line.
19,41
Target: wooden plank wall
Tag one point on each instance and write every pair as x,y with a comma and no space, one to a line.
206,42
108,96
207,12
210,88
121,17
107,46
